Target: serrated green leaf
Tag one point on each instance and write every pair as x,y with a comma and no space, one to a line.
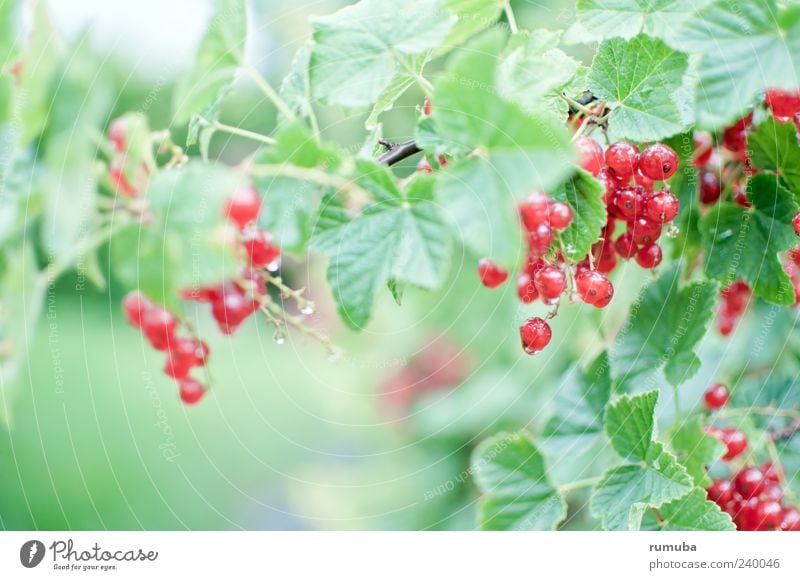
289,205
693,512
401,237
360,48
774,146
401,82
601,19
745,243
629,423
746,47
583,193
663,329
472,17
518,495
579,405
220,54
186,244
639,79
696,449
295,89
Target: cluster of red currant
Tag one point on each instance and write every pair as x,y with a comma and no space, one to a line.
160,327
753,496
734,298
118,136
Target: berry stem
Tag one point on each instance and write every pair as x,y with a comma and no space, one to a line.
252,135
579,484
287,292
268,91
279,317
577,106
512,20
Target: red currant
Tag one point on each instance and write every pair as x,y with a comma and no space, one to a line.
560,215
750,482
721,491
658,162
159,326
540,239
535,334
135,305
118,134
191,391
630,201
232,307
769,515
644,231
526,289
491,274
626,246
591,154
424,166
790,520
427,107
550,282
244,206
623,159
784,104
594,288
716,396
605,257
735,441
703,149
662,207
260,248
610,183
534,210
649,256
796,224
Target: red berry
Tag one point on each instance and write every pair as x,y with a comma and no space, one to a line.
550,282
626,246
644,182
535,334
534,210
159,326
116,174
796,224
491,274
260,249
644,231
191,391
658,162
427,106
750,482
623,159
734,138
117,134
424,166
526,289
630,201
770,472
540,239
710,188
790,520
605,257
735,441
784,104
662,207
610,183
594,288
232,307
649,256
746,513
244,206
703,149
716,396
135,305
721,491
769,515
591,154
560,215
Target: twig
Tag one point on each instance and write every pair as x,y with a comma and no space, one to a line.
512,20
399,152
269,92
252,135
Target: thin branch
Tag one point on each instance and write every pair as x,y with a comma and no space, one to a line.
269,92
399,152
239,132
512,20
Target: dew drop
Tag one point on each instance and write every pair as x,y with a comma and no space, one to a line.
307,309
274,265
279,337
673,230
334,354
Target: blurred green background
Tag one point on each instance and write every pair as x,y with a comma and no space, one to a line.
286,439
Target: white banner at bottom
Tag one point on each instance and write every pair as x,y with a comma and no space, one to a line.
400,555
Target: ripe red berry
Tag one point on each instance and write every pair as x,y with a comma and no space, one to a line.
662,207
623,159
191,391
735,441
784,104
734,138
770,472
159,326
630,201
710,188
260,248
605,257
135,305
796,224
716,396
703,149
540,239
750,482
591,154
534,210
594,288
769,515
721,491
491,274
526,289
658,162
427,106
626,246
244,206
560,215
424,166
232,307
535,334
610,183
119,181
644,182
649,256
118,134
790,520
550,282
644,231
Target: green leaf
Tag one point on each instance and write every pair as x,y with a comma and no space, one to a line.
745,243
186,245
663,328
359,49
9,25
535,74
220,54
746,47
693,512
472,17
518,495
624,492
601,19
401,82
696,449
584,195
579,406
289,205
773,146
400,238
295,89
688,245
639,79
20,204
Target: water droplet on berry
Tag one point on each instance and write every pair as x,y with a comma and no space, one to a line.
279,337
673,230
